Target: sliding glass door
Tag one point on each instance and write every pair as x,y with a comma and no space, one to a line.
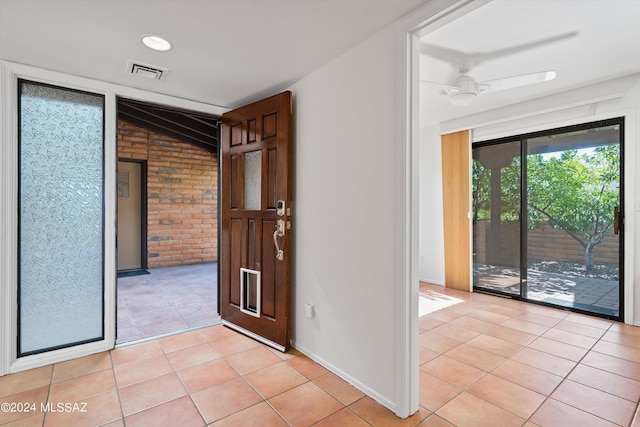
548,217
573,225
496,175
61,218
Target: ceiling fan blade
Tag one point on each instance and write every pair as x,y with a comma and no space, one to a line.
516,81
482,57
448,89
452,56
465,62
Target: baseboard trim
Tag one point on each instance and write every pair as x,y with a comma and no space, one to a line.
357,384
433,282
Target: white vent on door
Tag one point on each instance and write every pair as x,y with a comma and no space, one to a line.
147,71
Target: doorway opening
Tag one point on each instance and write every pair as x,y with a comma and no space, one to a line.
132,217
167,237
547,223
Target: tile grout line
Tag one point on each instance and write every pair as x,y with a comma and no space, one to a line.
566,378
264,399
188,393
486,373
44,417
577,363
115,380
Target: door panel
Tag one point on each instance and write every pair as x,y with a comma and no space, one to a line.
256,175
129,216
455,197
268,268
61,289
496,172
573,189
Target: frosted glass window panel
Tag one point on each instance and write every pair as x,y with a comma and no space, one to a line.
61,257
253,181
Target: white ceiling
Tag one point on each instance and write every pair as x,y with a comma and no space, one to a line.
225,52
229,52
597,40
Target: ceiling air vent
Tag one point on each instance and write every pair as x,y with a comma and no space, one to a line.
147,71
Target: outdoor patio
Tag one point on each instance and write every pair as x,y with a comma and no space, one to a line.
597,295
167,300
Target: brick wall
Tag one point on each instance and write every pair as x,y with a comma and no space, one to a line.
181,196
544,243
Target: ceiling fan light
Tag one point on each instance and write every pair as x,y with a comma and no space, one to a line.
462,98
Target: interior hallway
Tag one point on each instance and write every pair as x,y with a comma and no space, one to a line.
484,361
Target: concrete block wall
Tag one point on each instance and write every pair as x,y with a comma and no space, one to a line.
182,205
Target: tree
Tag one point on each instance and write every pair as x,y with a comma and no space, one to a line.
575,192
481,191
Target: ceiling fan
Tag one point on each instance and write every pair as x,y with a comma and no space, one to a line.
464,89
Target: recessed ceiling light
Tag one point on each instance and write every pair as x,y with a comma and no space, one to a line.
156,43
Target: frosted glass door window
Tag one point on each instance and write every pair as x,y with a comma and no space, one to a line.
61,254
253,181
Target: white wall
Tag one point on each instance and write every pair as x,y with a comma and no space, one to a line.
431,244
615,98
356,209
345,221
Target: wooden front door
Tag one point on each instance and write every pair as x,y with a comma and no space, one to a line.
255,252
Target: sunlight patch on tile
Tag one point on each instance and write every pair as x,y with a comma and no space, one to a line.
434,301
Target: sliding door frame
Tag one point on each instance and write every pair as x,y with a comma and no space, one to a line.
9,75
623,293
25,333
9,360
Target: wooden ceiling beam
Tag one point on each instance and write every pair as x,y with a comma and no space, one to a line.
194,128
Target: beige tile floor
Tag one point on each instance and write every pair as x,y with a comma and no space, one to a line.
488,361
484,361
